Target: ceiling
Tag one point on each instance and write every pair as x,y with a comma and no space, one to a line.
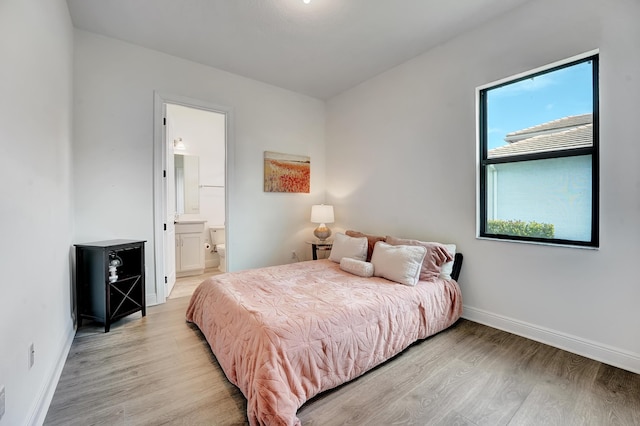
319,49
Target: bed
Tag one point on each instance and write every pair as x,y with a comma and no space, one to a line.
285,333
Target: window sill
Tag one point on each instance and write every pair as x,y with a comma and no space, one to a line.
540,243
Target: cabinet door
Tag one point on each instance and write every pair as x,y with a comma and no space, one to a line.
191,252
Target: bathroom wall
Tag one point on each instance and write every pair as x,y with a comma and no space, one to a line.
203,134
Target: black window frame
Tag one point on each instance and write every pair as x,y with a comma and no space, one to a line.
594,150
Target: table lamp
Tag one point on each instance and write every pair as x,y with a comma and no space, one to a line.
322,214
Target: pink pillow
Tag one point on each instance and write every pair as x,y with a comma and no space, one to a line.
372,240
437,255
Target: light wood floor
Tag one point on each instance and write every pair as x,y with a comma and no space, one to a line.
159,370
185,286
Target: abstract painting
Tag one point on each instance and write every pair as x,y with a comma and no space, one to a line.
286,173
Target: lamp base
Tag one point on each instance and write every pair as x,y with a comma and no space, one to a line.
322,232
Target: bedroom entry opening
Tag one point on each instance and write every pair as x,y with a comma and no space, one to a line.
194,193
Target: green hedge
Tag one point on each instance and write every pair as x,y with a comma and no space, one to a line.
520,228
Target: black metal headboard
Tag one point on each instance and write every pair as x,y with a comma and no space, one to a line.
457,266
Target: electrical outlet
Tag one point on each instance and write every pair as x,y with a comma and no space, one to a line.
32,355
1,402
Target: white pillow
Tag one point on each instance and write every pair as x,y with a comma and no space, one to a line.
345,246
357,267
398,263
447,268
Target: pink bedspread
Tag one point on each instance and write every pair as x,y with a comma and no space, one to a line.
286,333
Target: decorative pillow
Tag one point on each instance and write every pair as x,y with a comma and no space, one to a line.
447,268
345,246
371,241
398,263
436,256
357,267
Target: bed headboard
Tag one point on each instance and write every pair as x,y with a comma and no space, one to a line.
457,266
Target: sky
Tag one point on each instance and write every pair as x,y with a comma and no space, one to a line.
537,100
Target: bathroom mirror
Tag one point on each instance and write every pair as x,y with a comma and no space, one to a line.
187,168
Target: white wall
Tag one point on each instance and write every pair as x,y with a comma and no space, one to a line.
36,51
113,149
401,159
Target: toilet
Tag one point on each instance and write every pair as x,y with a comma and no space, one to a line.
218,241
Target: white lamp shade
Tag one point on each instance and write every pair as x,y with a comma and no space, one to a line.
321,213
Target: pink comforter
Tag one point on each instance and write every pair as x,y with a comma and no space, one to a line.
283,334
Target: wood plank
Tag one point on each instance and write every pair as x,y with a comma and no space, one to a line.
613,398
159,370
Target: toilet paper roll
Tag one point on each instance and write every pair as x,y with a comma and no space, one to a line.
207,246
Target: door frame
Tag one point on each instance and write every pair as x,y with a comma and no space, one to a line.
159,166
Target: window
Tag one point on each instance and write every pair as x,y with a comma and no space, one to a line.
538,141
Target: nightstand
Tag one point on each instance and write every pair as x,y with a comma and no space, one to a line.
319,246
105,295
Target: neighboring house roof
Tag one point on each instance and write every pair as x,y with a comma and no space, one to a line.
565,133
550,127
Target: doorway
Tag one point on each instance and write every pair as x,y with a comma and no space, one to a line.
191,184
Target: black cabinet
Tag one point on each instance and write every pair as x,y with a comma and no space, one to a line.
110,280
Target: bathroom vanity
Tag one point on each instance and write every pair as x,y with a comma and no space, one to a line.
189,247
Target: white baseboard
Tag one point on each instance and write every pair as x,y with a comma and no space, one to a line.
39,413
597,351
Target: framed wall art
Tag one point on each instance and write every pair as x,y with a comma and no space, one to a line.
286,172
